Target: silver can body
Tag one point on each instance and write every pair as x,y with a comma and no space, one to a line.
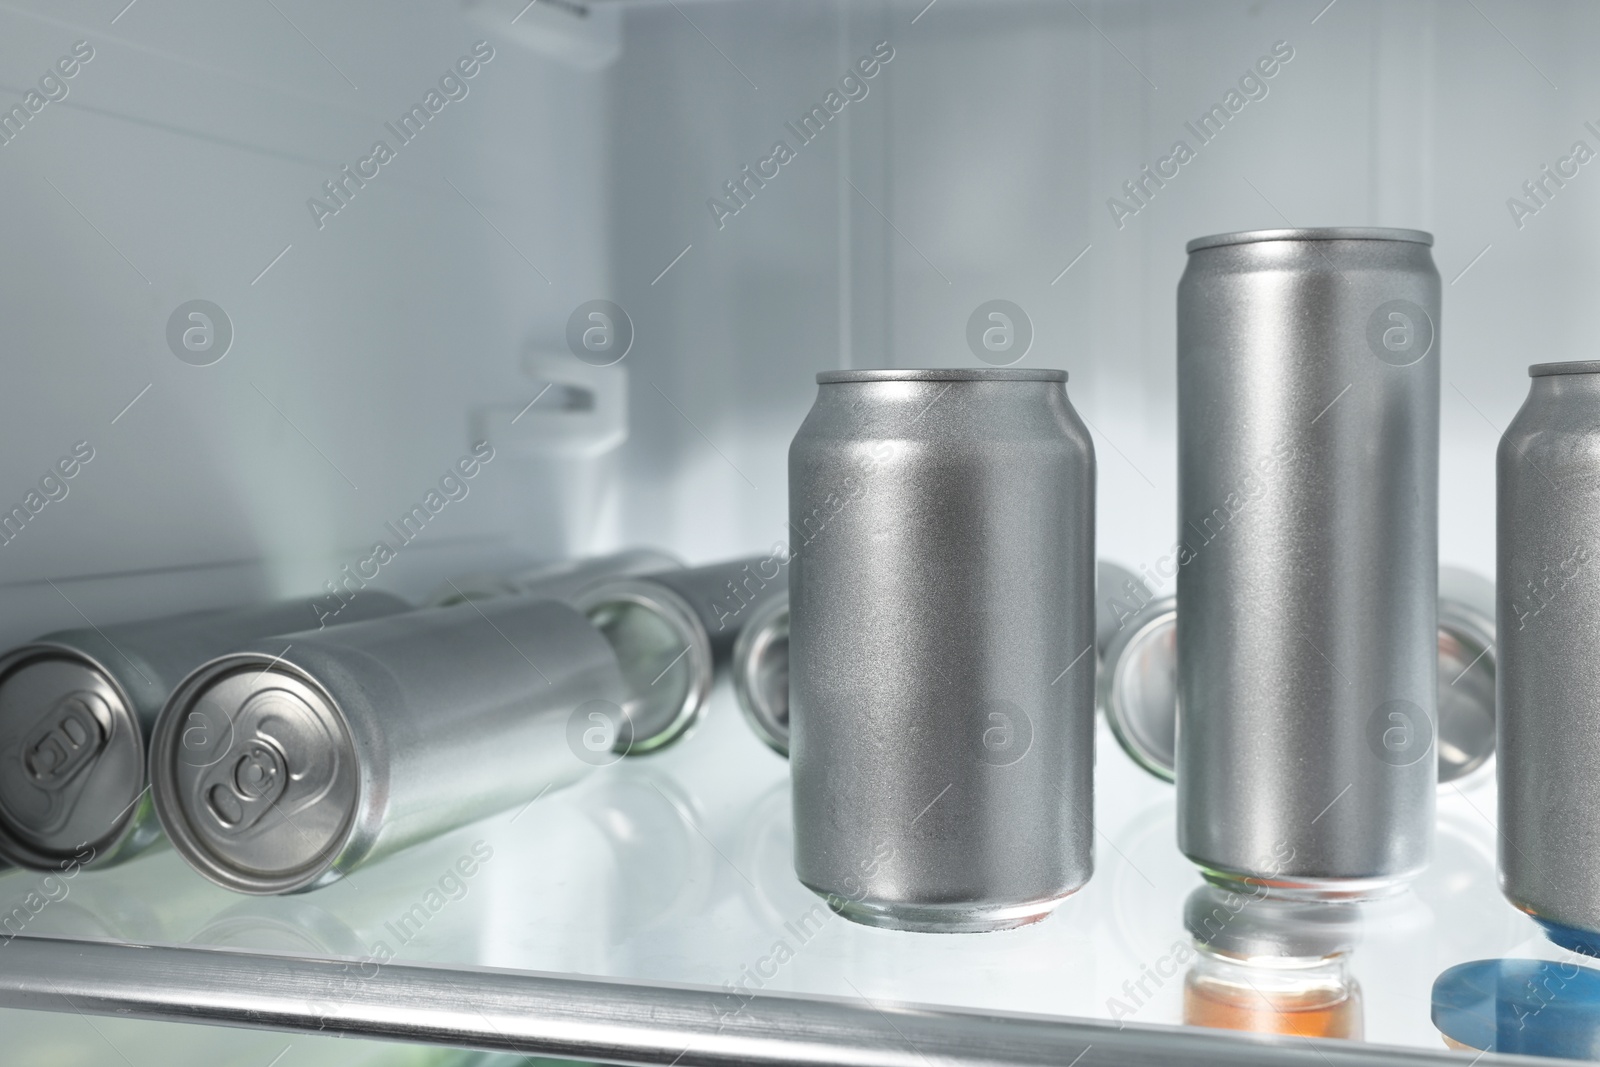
76,711
289,763
942,628
1139,681
1308,456
1548,607
660,639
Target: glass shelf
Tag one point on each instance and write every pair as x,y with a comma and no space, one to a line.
673,870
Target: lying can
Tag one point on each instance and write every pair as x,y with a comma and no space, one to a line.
1308,486
1138,682
1119,595
289,763
942,628
665,655
1467,666
661,641
1548,594
76,710
725,596
761,672
558,581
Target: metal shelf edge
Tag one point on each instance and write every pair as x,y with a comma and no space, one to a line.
601,1019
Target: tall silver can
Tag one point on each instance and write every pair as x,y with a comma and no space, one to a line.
1308,460
942,628
1548,608
287,764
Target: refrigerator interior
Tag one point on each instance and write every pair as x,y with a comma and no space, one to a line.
382,317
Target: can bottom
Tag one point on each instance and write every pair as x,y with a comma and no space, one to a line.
1311,890
941,918
1577,939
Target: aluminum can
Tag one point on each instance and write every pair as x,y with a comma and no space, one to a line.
1119,595
660,639
1308,483
665,654
76,710
942,627
726,596
674,629
761,672
558,581
1138,681
1548,473
287,764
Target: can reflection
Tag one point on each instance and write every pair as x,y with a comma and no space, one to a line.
1271,966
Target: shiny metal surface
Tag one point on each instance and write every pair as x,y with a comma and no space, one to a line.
665,654
1138,686
1119,594
1138,681
1467,664
284,766
77,706
761,672
536,1014
1318,233
726,596
1548,591
942,646
1308,430
558,581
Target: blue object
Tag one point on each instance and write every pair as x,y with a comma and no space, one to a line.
1532,1007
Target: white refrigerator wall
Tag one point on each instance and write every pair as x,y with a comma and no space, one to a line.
985,158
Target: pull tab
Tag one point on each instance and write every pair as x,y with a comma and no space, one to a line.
68,738
248,786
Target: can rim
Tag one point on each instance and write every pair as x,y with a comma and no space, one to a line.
942,374
13,847
1316,233
1576,366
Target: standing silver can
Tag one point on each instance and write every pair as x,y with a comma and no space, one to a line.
1308,475
942,628
287,764
76,711
1548,607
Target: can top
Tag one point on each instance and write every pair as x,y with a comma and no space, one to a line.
946,374
71,756
1320,233
255,776
1576,366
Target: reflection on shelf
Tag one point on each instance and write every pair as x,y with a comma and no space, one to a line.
1272,966
1532,1007
677,867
